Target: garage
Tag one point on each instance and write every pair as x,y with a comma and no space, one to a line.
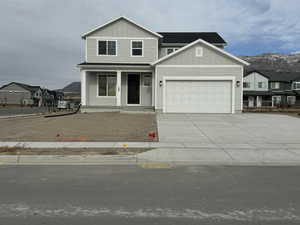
198,96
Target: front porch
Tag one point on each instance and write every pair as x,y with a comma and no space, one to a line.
121,89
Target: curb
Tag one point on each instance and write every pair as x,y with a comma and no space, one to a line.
125,160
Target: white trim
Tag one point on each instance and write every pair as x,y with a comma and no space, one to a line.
174,49
83,87
137,48
106,96
114,20
204,43
104,70
202,66
206,78
116,41
199,52
139,87
153,89
242,88
156,89
116,37
118,87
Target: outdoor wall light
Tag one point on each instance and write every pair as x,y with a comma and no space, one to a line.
160,83
238,83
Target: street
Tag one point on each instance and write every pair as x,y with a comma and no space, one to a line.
149,195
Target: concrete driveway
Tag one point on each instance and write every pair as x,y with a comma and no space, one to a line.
240,130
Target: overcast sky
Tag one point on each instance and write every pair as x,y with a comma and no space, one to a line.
40,40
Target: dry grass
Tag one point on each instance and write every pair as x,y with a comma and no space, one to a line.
67,151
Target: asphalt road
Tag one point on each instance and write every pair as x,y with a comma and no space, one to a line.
135,195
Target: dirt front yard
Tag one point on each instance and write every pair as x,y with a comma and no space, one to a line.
112,126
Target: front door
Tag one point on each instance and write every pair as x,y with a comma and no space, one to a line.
251,101
133,87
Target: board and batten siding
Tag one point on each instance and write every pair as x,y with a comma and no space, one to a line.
14,94
123,32
92,98
212,63
253,79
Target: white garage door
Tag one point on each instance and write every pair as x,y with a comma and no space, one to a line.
198,96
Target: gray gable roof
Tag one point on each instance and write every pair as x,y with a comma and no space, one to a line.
25,86
188,37
277,76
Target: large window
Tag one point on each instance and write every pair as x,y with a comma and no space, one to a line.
261,84
136,48
246,84
275,85
107,85
107,47
296,85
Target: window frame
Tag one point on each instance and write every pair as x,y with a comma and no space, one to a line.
106,96
247,82
275,83
295,84
143,83
294,99
131,48
263,84
173,50
107,40
197,53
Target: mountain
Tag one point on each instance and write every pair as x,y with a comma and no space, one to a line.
73,87
274,62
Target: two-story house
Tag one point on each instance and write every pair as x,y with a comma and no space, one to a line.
127,65
270,89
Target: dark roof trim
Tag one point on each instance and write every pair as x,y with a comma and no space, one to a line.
113,64
25,86
188,37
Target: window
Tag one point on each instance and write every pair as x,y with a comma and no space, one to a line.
136,48
107,85
275,85
170,50
261,85
246,84
296,85
291,100
147,80
107,47
199,52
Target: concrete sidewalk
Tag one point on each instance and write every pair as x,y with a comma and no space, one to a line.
170,153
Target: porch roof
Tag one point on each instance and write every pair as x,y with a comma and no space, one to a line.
115,65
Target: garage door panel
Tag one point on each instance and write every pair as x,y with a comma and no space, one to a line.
198,96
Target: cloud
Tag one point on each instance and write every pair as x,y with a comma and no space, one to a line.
40,39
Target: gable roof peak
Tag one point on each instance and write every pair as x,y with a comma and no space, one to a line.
83,36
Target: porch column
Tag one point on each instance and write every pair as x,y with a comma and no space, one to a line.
83,87
153,89
119,88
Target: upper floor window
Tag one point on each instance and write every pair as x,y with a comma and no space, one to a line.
136,48
246,84
275,85
170,50
296,85
107,47
261,84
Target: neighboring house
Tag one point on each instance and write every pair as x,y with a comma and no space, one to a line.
19,94
270,89
129,65
16,93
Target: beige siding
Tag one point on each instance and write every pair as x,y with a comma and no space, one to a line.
210,57
123,32
199,71
253,79
123,52
14,94
92,98
122,28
